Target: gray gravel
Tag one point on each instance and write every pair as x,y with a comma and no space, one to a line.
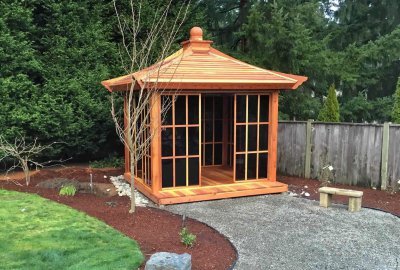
282,232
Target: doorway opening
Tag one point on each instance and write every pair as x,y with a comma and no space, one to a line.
217,139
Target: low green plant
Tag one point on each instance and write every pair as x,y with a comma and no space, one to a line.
109,162
187,238
68,190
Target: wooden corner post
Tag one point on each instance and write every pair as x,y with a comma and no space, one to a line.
273,136
126,149
155,130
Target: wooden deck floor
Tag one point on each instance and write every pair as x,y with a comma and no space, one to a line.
217,183
220,187
216,175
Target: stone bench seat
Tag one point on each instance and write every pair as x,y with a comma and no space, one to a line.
355,197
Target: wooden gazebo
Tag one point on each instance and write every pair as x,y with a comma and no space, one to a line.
219,138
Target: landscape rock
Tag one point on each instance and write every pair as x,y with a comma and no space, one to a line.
124,189
58,183
169,261
99,189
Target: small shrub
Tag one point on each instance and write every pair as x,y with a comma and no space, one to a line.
330,110
187,238
326,174
68,190
110,162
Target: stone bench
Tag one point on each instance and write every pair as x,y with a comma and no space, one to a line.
355,197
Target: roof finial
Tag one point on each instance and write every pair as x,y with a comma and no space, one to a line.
196,33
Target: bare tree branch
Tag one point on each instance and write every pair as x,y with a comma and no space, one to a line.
23,154
133,128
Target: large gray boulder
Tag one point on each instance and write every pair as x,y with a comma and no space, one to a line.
169,261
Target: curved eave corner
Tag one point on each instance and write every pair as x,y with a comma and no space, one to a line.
107,86
300,81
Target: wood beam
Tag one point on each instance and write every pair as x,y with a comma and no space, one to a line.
273,136
155,131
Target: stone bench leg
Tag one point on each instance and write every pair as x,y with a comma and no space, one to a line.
325,199
354,204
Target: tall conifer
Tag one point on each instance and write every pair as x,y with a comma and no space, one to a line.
330,110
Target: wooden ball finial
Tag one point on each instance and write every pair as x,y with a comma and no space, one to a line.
196,33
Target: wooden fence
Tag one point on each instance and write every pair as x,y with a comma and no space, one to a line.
361,154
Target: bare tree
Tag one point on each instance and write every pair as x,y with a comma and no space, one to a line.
23,154
143,50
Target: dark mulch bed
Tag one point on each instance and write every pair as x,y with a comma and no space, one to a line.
154,229
378,199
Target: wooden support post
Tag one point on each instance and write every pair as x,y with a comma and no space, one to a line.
385,156
325,199
225,114
307,165
355,204
126,149
155,130
273,136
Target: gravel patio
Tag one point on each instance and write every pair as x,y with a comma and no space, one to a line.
283,232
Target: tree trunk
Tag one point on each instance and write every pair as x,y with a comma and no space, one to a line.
133,201
25,168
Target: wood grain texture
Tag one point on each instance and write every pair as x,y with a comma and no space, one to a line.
394,156
291,148
155,124
354,150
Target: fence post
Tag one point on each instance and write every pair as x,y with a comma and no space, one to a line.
307,165
385,156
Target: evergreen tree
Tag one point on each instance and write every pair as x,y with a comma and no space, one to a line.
19,68
330,109
396,107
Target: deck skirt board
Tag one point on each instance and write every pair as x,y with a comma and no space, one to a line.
218,188
220,192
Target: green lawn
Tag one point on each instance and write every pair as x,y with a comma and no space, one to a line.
36,233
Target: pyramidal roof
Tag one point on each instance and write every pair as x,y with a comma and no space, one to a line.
198,66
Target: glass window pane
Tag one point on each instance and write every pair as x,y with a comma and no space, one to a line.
180,110
253,107
208,107
139,168
240,167
208,154
193,108
251,166
263,144
209,131
252,140
263,165
193,171
218,107
218,131
180,172
180,141
166,138
241,109
193,141
218,154
228,151
166,103
148,180
264,108
240,138
167,173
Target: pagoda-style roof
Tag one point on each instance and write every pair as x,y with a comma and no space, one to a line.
198,66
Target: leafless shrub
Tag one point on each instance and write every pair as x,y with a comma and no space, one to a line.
23,155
